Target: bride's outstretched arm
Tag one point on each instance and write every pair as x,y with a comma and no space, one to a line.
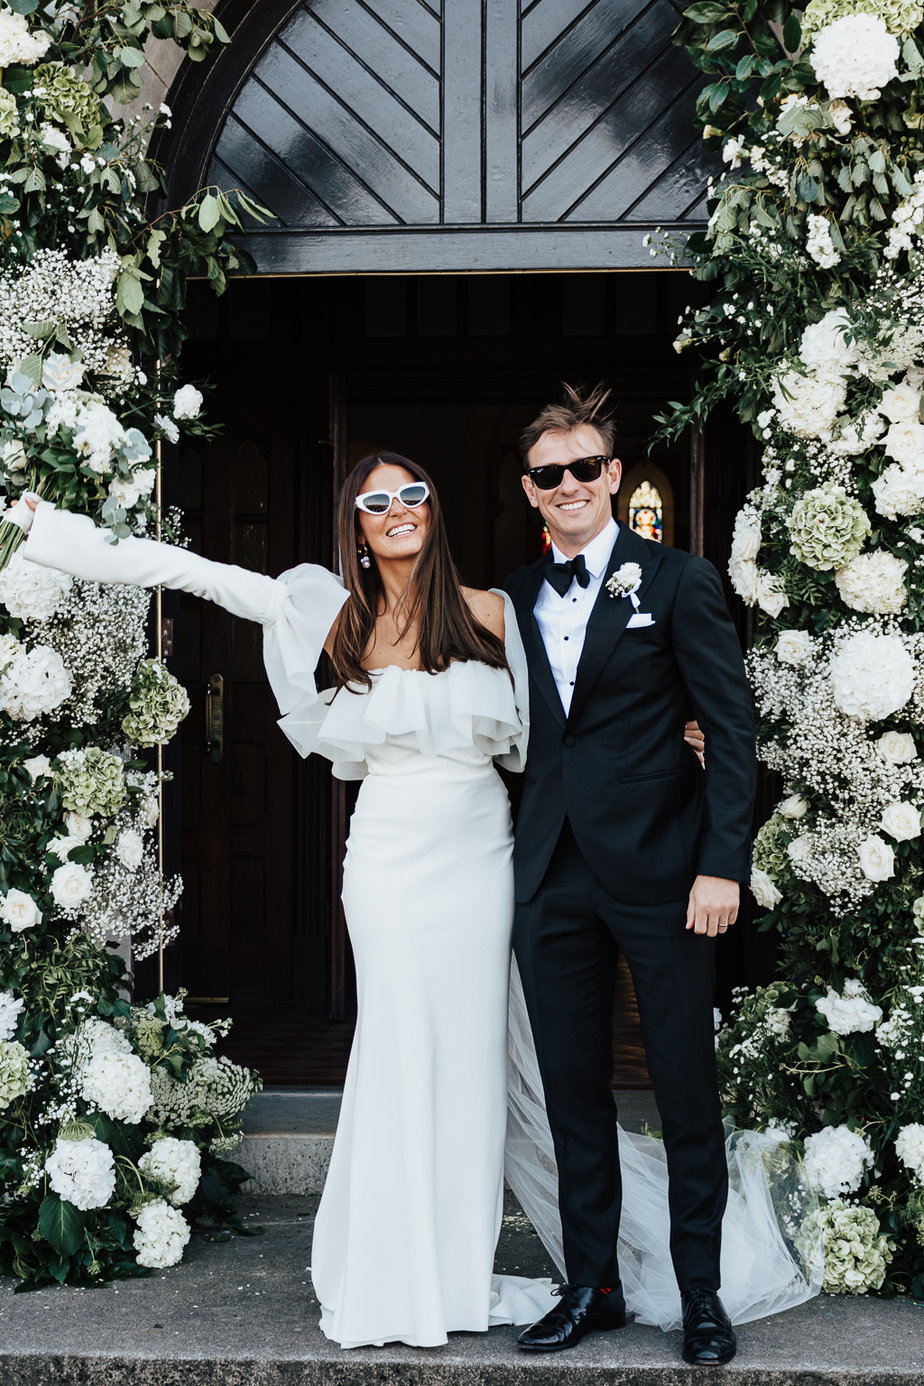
74,544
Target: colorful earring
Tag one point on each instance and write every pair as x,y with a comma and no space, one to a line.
365,560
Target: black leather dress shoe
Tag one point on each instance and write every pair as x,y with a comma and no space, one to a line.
708,1337
583,1309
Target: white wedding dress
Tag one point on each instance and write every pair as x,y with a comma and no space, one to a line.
408,1223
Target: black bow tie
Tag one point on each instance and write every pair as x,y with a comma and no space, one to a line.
560,575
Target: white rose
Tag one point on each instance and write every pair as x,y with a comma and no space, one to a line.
842,116
764,890
904,442
745,578
187,402
61,847
37,766
71,885
900,403
898,748
125,492
793,807
78,825
799,850
877,859
168,427
20,911
130,849
746,537
901,821
793,647
770,594
899,491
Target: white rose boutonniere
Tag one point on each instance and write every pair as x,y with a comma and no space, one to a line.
625,582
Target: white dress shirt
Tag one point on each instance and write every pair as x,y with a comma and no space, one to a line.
563,620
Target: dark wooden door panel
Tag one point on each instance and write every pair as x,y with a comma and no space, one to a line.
518,132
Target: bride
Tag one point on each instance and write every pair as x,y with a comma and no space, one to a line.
430,695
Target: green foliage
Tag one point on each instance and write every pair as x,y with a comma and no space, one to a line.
803,227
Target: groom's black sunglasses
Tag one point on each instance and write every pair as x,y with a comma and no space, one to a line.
582,469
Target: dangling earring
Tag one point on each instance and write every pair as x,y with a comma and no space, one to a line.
365,560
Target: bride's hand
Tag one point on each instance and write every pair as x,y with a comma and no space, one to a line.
24,518
693,736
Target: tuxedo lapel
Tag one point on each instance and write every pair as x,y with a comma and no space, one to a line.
611,615
524,599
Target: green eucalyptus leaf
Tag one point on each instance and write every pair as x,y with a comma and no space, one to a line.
792,33
209,212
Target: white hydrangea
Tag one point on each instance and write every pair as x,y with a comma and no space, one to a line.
909,1147
11,1008
82,1172
808,405
161,1236
34,684
872,675
187,402
17,44
855,56
874,582
98,435
850,1012
118,1084
824,347
174,1162
30,591
836,1159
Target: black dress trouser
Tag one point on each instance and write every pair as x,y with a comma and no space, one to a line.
567,940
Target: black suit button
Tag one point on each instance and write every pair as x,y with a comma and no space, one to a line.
570,740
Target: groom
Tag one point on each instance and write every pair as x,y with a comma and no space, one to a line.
623,842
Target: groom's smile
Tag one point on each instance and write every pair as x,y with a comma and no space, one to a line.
574,511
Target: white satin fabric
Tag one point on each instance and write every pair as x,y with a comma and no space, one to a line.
408,1223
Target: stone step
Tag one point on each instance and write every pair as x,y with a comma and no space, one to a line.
242,1314
289,1133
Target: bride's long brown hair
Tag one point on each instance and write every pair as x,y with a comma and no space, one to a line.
447,628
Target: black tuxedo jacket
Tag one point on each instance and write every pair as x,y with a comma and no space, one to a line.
646,816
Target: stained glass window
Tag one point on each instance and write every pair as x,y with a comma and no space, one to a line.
646,512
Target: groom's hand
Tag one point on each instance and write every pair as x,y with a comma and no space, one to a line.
713,906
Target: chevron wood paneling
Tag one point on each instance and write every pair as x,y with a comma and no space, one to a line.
394,114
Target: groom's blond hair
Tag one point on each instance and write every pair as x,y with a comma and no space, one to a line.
576,410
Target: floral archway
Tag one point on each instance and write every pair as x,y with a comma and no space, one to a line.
816,334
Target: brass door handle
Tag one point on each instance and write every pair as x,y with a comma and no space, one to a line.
215,717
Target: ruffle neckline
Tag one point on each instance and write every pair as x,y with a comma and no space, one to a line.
466,705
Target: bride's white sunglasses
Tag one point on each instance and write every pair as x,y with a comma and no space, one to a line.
412,494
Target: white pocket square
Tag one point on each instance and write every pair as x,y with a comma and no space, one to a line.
640,618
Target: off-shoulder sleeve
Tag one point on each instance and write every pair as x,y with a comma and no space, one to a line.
515,758
296,610
74,544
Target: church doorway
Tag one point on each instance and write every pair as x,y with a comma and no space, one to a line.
310,374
